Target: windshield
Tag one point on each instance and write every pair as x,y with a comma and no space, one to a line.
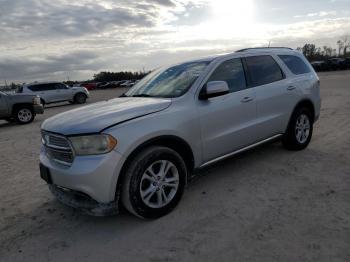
170,82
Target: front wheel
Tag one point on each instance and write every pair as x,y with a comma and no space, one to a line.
80,98
154,182
299,131
24,115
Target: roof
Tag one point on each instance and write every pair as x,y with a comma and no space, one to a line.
263,49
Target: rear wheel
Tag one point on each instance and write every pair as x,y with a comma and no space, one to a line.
80,98
154,182
24,115
299,131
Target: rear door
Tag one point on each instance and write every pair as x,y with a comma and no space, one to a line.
45,91
227,121
275,95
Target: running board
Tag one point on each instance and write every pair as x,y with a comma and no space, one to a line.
240,150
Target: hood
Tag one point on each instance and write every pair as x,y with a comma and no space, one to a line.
98,116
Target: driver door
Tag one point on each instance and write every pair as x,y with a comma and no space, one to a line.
227,121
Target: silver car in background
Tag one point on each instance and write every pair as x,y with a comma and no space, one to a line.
54,92
139,150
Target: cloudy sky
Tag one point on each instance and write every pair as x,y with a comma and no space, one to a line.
45,39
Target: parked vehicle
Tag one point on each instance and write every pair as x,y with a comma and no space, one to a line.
20,108
128,83
108,85
139,150
53,92
336,63
89,86
320,66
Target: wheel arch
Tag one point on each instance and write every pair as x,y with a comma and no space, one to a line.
15,107
79,93
308,104
303,103
174,142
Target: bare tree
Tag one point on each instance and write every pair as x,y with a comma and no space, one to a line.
340,44
345,39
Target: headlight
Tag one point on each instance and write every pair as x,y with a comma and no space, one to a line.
93,144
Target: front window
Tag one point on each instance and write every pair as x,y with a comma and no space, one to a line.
170,82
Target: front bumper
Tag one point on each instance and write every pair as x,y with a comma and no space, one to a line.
96,176
83,202
38,109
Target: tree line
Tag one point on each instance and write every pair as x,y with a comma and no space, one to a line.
313,53
117,76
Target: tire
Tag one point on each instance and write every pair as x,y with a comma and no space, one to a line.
299,132
141,190
80,98
24,115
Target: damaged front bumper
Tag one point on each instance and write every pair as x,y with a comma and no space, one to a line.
83,202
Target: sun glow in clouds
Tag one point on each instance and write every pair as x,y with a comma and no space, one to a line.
234,12
227,19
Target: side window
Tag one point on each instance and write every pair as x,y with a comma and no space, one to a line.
34,88
232,72
48,87
263,70
60,86
295,64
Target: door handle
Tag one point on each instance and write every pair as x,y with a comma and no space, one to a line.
246,99
290,88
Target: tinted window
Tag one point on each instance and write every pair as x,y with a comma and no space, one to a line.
42,87
232,72
263,70
295,64
60,86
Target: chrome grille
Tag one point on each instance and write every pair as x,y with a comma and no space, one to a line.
58,142
58,148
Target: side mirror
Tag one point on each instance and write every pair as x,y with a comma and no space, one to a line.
213,89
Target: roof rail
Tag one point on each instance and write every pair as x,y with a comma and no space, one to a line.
255,48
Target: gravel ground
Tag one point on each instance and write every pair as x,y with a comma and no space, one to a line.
268,204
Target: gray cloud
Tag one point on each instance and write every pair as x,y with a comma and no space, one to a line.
168,3
61,65
50,18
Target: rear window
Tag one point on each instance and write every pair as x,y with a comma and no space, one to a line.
263,70
295,64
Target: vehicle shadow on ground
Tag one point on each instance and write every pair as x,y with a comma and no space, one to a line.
7,124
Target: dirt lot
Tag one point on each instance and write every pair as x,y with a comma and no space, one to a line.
268,204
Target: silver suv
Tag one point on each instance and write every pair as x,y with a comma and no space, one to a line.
139,150
53,92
